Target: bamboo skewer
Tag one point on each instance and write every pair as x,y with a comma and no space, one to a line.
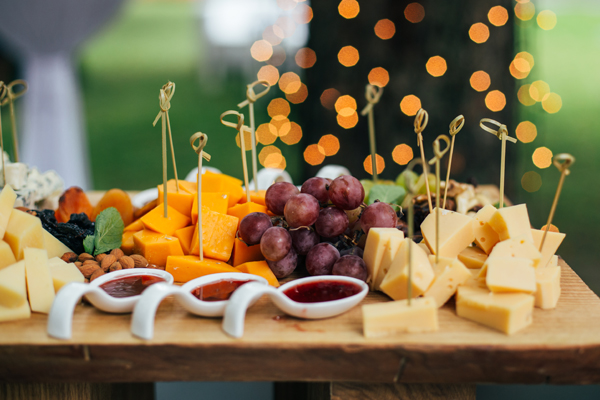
10,97
438,155
202,140
421,120
240,127
455,126
373,95
3,91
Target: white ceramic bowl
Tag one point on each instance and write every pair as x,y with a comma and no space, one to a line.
142,322
60,319
245,296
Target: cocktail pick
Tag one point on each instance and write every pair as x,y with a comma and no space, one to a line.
502,134
10,98
202,140
240,127
411,223
2,95
455,126
561,161
421,120
373,94
251,97
165,96
437,158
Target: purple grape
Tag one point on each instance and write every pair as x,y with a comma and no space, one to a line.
353,251
303,240
285,266
301,210
346,192
253,226
317,187
275,243
352,266
278,194
331,222
320,259
378,215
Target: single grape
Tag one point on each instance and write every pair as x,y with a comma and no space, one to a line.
253,226
317,187
346,192
285,266
352,266
378,215
353,251
331,222
320,259
303,240
278,194
353,214
301,210
275,243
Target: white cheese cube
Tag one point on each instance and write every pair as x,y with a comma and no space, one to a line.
519,247
485,236
510,222
6,255
551,244
472,257
24,230
7,203
456,232
12,286
394,317
63,273
377,238
391,248
449,273
16,175
508,274
40,287
547,280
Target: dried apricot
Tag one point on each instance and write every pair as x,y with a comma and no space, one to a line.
118,199
73,201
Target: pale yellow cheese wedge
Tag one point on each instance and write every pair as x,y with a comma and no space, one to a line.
12,286
377,238
6,255
485,236
395,283
424,247
553,261
391,248
547,280
449,273
382,319
510,222
24,230
506,312
40,287
472,257
22,311
456,232
63,273
7,202
509,274
519,247
55,247
475,280
553,241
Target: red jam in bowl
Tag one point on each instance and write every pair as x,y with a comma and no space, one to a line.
316,292
218,291
128,286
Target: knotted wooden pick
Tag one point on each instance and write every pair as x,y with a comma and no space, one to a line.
502,134
240,127
3,91
455,126
561,161
202,140
373,95
165,96
437,158
251,98
421,120
10,98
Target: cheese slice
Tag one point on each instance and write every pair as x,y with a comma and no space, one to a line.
7,202
13,279
6,255
54,247
63,273
506,312
424,247
40,287
485,236
24,230
456,232
551,244
475,280
547,280
553,262
377,238
510,222
186,268
509,274
391,248
395,283
519,247
472,257
449,273
381,319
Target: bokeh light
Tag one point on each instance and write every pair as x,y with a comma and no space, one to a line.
344,102
379,77
410,105
278,108
546,20
303,14
286,25
313,156
281,127
348,9
527,57
265,152
402,154
495,101
538,90
525,11
542,157
268,73
247,139
522,65
294,135
385,29
298,97
286,5
278,57
531,181
414,12
526,131
498,16
436,66
552,103
270,36
480,81
329,97
379,163
329,145
349,121
306,57
348,56
275,160
524,96
261,50
265,134
515,72
479,32
289,83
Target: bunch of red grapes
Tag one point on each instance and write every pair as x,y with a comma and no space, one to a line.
320,222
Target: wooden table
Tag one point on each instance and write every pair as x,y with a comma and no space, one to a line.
562,346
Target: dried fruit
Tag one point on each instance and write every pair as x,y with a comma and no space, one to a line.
118,199
85,256
88,270
100,257
69,257
73,201
139,261
126,262
116,266
107,262
96,274
118,253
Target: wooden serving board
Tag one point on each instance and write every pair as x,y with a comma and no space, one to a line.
561,346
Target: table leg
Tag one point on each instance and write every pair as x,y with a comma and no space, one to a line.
77,391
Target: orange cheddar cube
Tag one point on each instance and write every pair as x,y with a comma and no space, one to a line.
260,268
156,247
185,236
186,268
241,210
218,233
181,200
134,226
155,220
242,253
257,197
218,202
127,242
221,183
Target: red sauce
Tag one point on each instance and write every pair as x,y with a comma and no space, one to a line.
218,291
130,285
316,292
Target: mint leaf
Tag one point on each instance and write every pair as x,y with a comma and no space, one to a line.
88,244
387,193
109,231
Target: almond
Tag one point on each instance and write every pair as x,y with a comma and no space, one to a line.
107,262
88,270
96,274
115,267
85,256
127,262
100,257
69,257
140,261
78,264
118,253
90,262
